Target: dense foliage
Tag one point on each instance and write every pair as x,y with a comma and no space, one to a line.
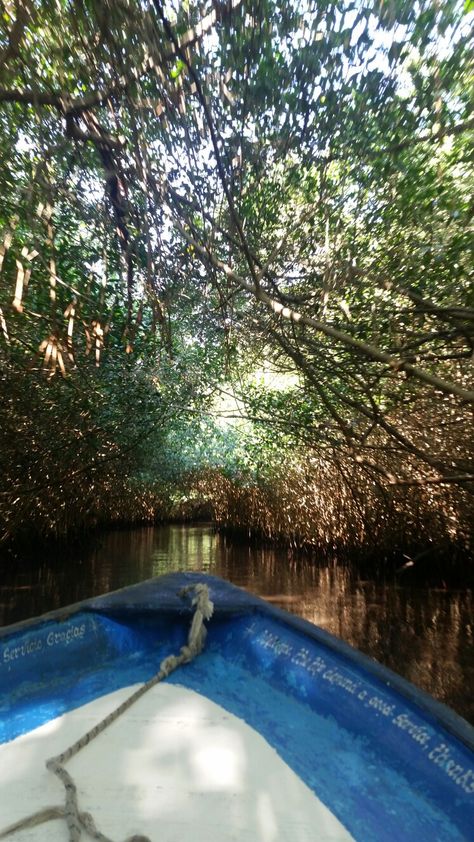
236,266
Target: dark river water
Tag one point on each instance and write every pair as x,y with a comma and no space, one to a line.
424,634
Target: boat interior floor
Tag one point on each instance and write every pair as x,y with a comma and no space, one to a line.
176,767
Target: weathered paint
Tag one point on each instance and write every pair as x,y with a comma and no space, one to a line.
175,767
388,761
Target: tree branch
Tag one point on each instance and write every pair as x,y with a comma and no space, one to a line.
365,348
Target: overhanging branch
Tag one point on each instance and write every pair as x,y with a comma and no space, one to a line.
365,348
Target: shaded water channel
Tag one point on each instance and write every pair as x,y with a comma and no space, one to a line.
424,634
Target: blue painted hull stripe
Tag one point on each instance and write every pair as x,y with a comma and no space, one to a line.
381,762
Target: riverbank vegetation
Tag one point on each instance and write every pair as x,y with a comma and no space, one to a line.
236,270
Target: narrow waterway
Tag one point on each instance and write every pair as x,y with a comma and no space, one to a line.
425,635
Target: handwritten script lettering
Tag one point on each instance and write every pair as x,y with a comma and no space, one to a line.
41,642
440,755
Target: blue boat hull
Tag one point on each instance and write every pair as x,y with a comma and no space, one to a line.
387,760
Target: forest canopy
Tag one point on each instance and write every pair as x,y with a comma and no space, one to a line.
236,267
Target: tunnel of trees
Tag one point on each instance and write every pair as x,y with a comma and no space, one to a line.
236,269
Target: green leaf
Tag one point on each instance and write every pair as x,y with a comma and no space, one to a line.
176,71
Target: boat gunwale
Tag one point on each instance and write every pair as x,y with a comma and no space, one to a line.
248,604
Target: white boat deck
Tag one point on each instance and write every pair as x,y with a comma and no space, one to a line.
175,767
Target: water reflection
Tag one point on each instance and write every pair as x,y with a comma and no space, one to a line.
425,635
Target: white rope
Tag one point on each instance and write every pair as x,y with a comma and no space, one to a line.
77,821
